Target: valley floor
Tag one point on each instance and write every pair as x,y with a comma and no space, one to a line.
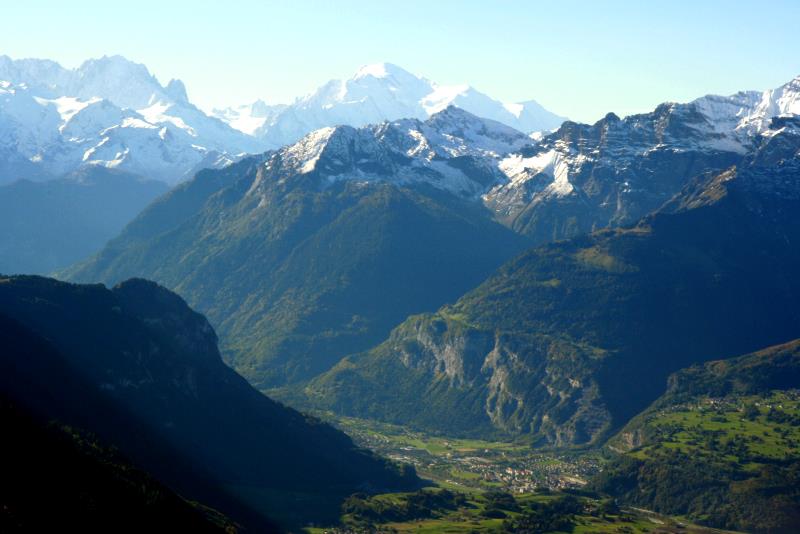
475,465
484,471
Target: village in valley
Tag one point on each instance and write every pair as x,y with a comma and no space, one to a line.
465,464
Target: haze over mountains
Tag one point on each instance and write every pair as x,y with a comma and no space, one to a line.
52,224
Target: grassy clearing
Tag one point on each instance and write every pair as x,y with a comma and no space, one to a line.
733,430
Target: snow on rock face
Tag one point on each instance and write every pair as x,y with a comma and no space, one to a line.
611,170
60,135
616,159
555,163
741,116
462,132
248,118
304,154
26,126
781,102
68,106
117,112
452,150
617,170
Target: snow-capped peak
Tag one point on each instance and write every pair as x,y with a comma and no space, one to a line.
109,111
381,70
304,154
780,102
452,150
492,137
735,119
379,92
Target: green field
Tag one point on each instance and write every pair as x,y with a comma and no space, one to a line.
478,470
471,517
746,431
731,460
397,436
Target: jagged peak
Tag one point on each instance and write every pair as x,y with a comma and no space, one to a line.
794,83
176,90
304,154
454,112
454,120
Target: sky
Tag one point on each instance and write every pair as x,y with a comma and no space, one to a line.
581,59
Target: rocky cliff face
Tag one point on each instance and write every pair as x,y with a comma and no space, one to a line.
583,177
611,173
498,382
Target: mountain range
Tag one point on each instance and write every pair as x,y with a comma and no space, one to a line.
390,249
567,342
333,239
112,112
584,177
109,112
377,93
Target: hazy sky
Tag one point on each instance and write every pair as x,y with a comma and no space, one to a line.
580,59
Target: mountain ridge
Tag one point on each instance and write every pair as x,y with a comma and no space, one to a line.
113,112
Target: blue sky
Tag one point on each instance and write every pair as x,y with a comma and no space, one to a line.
578,58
